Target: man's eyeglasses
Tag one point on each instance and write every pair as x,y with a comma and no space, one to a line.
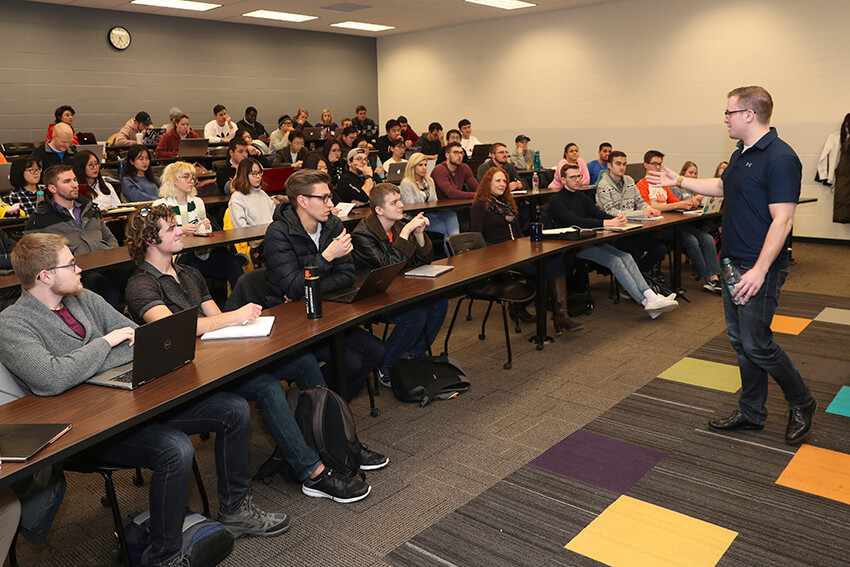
574,177
655,163
73,264
325,198
728,113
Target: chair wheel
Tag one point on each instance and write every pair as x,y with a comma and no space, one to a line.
507,366
138,481
375,412
539,347
469,318
444,353
104,501
482,336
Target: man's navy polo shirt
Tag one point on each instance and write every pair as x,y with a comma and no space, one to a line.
769,172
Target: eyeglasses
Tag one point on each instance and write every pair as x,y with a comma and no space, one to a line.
655,163
33,170
574,177
728,113
188,177
256,173
325,198
73,264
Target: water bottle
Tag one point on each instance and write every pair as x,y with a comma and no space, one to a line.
535,183
731,276
536,161
39,195
312,294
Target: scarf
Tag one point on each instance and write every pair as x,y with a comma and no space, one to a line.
501,207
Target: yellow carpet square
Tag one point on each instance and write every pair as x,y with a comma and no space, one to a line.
632,533
714,375
819,471
788,325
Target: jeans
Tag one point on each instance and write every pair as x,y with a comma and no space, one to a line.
751,337
445,223
638,245
415,329
363,353
621,264
221,263
700,248
165,448
265,391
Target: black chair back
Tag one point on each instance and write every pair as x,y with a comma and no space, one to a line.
463,242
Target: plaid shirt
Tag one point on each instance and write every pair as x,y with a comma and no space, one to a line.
24,197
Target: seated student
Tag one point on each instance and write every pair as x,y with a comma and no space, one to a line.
256,129
178,193
300,121
51,354
697,244
326,123
292,155
305,233
355,184
345,123
346,138
384,142
406,132
316,161
571,207
138,183
365,127
173,112
136,125
599,165
221,128
249,204
494,215
570,157
256,149
418,187
616,193
332,152
161,287
499,158
58,150
689,169
169,144
452,136
237,149
24,175
397,151
64,115
87,170
522,158
280,137
468,141
383,239
431,143
453,178
718,171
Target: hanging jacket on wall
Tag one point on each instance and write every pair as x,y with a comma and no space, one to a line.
841,199
829,159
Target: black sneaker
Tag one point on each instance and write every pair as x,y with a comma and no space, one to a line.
370,460
713,286
336,486
384,377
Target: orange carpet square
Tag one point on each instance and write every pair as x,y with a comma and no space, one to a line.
789,325
819,471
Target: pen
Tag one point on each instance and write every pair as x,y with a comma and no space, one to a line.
245,322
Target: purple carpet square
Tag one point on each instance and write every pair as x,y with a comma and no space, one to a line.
598,460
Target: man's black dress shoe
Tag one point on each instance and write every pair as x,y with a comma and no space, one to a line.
799,423
733,422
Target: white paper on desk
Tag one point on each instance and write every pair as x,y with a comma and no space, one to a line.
640,217
344,208
261,327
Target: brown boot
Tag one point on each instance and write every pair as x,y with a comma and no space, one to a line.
560,318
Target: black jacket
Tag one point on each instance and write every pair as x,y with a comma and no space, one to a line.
47,158
373,249
92,236
349,188
289,249
283,158
568,208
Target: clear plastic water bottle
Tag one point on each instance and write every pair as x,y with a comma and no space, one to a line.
731,276
39,195
535,183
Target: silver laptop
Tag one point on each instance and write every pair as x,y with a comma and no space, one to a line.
193,147
97,149
160,347
395,172
428,271
5,184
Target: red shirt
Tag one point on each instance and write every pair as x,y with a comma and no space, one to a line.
69,320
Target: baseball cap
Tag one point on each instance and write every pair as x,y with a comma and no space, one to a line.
144,118
522,138
354,152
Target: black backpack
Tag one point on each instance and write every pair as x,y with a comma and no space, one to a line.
205,541
427,378
327,424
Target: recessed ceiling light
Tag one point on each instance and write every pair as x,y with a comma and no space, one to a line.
362,26
280,16
503,4
178,4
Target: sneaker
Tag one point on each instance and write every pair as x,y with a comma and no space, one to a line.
370,460
713,286
384,377
248,519
336,486
179,560
659,305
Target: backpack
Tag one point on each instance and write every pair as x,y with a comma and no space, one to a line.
327,424
205,541
427,378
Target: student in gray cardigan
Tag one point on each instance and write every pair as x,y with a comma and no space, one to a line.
58,335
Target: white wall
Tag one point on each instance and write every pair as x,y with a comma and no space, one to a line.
642,74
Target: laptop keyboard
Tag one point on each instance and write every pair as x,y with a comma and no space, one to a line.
126,377
346,297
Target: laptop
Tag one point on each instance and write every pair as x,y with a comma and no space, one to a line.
275,178
313,134
97,149
395,172
709,205
153,135
5,184
193,147
21,441
429,271
377,282
160,347
480,151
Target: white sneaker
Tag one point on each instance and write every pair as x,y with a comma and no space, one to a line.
659,305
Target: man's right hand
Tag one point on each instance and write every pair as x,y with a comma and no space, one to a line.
619,220
339,247
666,177
249,312
118,336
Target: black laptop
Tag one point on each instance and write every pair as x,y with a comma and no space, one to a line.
377,282
160,347
313,134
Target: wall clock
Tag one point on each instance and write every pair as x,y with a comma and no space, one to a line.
119,38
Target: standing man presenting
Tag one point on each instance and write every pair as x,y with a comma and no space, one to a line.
761,188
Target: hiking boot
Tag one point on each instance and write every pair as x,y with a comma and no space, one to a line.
337,486
248,519
370,460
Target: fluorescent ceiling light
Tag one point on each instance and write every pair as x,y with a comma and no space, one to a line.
503,4
280,16
178,4
362,26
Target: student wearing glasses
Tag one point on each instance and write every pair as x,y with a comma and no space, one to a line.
305,233
24,175
87,170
